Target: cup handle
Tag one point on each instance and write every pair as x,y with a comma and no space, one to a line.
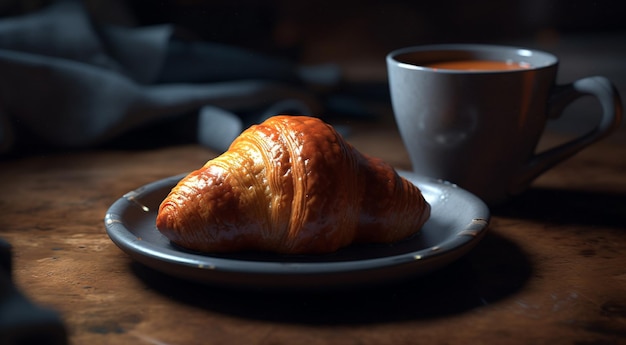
607,95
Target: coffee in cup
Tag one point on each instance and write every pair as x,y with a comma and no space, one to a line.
478,65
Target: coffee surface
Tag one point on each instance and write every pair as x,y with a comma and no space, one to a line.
479,65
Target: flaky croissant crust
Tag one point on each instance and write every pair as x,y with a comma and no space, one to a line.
291,185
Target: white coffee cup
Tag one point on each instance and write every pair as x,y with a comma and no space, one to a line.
479,128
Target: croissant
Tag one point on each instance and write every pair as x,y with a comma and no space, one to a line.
290,185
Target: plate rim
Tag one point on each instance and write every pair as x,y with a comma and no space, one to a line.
199,266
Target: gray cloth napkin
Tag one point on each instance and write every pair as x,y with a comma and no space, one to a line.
69,82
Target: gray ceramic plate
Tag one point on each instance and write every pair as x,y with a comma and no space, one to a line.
458,221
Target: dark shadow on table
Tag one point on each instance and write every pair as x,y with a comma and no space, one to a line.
568,207
495,269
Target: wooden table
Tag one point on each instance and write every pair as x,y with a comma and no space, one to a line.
551,270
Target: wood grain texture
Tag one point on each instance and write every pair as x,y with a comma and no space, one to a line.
552,269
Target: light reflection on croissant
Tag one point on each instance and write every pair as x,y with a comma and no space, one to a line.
291,185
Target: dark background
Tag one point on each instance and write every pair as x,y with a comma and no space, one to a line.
349,29
588,36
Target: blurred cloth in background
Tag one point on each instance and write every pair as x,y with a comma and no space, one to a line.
70,82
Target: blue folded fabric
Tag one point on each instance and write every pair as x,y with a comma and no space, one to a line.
69,82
